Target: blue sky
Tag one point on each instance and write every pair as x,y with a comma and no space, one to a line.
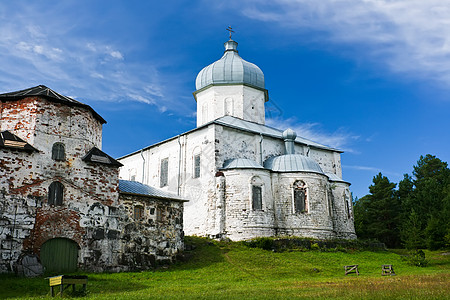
369,77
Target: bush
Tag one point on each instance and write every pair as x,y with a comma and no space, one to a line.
263,243
417,258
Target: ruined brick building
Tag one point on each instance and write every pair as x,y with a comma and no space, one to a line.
244,179
61,198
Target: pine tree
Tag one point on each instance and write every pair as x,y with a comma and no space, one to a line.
428,195
383,211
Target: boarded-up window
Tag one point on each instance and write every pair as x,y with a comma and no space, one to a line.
55,193
58,152
138,212
164,174
300,197
257,197
197,166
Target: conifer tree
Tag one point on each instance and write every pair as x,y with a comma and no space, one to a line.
383,211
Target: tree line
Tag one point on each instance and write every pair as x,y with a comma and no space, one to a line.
414,215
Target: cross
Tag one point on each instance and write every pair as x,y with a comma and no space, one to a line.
230,30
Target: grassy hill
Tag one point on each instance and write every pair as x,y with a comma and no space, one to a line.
227,270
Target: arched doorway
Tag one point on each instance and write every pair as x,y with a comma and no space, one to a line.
59,255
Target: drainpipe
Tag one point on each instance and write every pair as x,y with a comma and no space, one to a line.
260,148
143,166
179,167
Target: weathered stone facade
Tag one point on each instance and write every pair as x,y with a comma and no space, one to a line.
226,166
56,183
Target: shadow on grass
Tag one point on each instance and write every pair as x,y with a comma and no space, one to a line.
200,253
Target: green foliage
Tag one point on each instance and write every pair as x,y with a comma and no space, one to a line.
417,214
417,258
378,214
412,233
265,243
315,246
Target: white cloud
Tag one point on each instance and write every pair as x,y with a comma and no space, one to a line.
371,169
116,54
54,54
411,37
340,138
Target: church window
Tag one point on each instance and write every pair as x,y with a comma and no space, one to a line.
300,197
197,166
55,193
138,212
58,152
257,197
347,204
164,172
256,193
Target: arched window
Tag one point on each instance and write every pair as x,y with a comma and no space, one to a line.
58,152
55,193
347,203
256,191
300,205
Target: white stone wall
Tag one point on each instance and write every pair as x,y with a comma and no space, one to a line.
220,206
239,101
316,220
242,221
180,152
342,210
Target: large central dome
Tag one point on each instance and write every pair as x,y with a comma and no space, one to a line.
230,69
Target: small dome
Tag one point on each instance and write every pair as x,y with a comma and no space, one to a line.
231,68
241,163
289,134
292,163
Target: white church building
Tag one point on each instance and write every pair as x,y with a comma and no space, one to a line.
242,178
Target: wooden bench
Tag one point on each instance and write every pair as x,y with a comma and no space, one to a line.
68,281
387,270
351,269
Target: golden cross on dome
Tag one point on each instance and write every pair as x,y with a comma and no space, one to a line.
230,30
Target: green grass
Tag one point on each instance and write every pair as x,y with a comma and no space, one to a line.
224,270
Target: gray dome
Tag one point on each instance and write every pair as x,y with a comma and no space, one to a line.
241,163
292,163
231,68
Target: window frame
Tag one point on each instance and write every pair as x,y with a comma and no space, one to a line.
256,191
55,194
197,169
59,151
138,212
297,187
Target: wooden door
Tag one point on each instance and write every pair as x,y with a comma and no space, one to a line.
59,255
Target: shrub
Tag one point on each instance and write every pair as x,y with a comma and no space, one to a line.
417,258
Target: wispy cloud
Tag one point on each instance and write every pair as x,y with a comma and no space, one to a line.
46,48
373,170
411,37
340,138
